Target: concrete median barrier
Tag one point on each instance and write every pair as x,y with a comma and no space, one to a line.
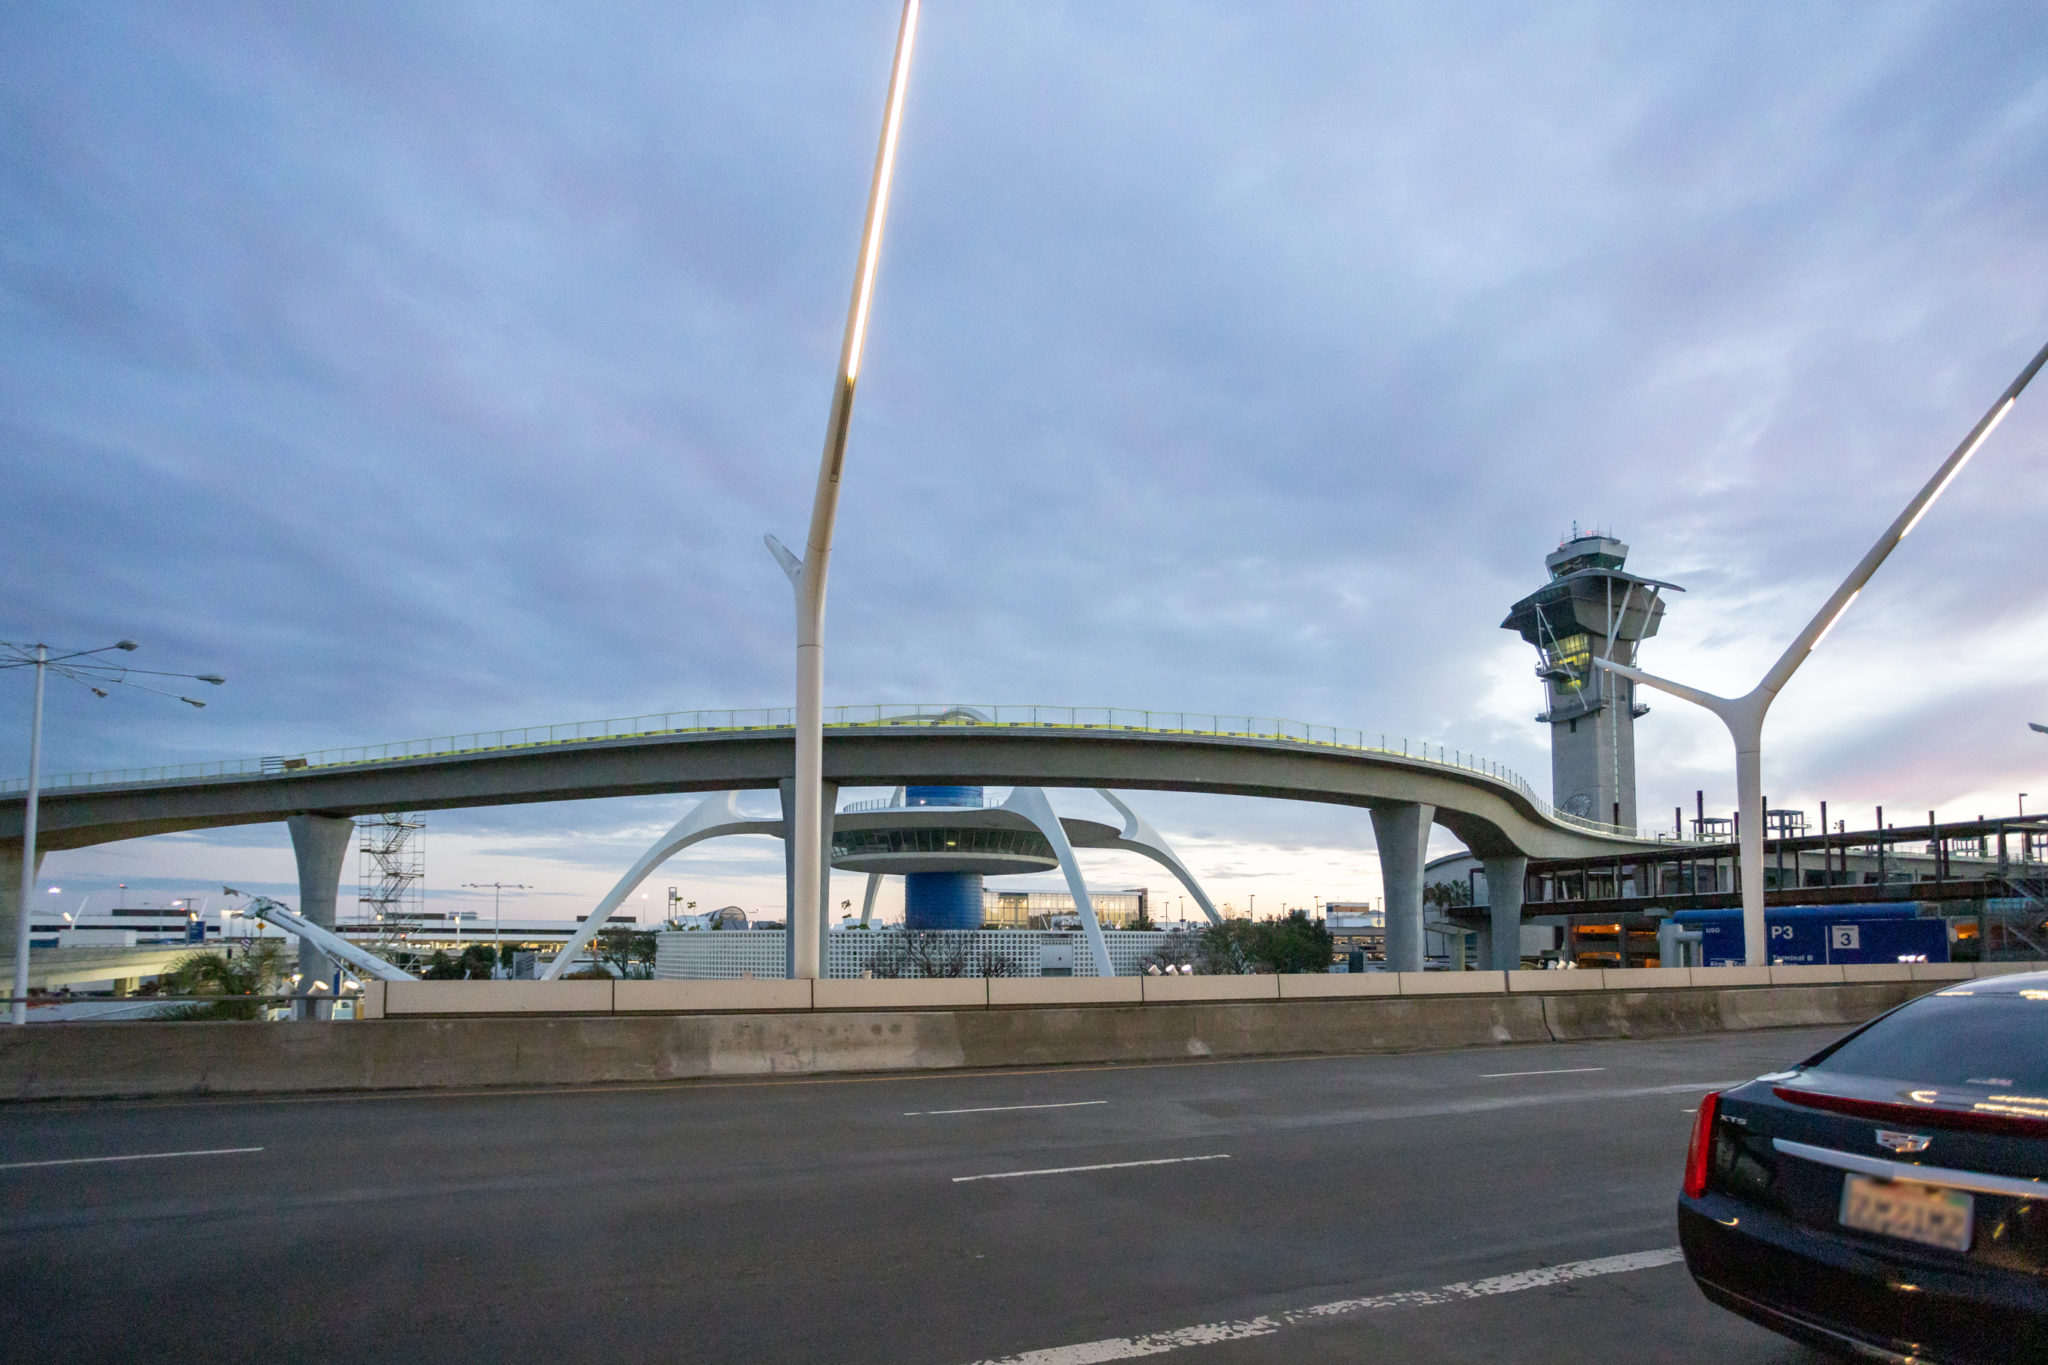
657,1031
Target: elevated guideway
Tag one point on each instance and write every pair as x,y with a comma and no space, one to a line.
1492,809
1406,787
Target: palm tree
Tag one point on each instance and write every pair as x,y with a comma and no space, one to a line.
256,968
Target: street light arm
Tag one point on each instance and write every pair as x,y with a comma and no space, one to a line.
1844,597
1720,706
825,500
791,565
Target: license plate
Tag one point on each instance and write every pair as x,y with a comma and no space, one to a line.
1927,1214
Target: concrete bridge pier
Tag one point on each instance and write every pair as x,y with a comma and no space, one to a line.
1402,833
828,803
10,892
321,843
1505,877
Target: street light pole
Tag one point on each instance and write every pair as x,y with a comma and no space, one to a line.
496,889
18,1011
807,575
1744,715
79,666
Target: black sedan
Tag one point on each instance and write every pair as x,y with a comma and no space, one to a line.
1887,1198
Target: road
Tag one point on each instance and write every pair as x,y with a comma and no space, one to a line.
931,1218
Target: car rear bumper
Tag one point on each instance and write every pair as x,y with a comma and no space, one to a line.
1837,1292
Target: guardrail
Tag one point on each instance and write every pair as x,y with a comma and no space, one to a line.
768,720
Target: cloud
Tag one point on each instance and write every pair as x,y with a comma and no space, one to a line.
433,371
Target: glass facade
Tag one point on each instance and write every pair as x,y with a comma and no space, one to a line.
1035,909
1575,653
853,843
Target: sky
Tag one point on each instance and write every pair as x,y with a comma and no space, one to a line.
434,368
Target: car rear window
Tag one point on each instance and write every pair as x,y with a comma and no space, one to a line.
1998,1040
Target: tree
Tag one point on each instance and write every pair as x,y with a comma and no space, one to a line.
1175,950
477,961
258,968
441,967
928,953
629,952
1293,943
1447,894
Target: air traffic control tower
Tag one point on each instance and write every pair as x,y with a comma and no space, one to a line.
1590,608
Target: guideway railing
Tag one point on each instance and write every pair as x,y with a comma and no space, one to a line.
1108,720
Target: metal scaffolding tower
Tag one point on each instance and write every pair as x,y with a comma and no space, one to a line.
393,875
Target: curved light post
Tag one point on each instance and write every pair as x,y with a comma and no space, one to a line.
497,890
84,667
1744,715
807,575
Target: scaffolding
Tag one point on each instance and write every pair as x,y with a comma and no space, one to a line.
393,876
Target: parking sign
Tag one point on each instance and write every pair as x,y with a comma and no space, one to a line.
1847,937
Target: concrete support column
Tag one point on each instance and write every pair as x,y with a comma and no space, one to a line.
321,843
10,892
1504,882
1402,833
829,804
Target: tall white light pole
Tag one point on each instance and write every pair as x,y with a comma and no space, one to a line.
807,575
1744,715
79,666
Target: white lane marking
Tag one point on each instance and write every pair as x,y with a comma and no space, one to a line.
139,1156
1105,1166
1209,1333
1561,1071
1003,1108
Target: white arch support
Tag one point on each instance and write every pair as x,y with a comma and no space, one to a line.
1139,837
867,902
1030,803
712,818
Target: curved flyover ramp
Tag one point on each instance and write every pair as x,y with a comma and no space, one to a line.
1493,811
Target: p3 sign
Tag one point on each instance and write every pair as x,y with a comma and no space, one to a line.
1845,937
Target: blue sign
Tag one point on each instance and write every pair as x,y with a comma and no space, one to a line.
1812,938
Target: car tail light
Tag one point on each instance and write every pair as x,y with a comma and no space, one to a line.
1701,1152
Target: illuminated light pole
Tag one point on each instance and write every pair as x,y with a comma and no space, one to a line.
81,667
1744,715
807,575
497,890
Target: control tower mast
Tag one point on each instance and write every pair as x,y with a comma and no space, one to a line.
1590,608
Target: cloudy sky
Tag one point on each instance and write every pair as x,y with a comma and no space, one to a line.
429,368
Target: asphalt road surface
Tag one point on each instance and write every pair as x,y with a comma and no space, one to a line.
1502,1205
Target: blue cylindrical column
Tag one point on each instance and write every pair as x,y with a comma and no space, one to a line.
942,900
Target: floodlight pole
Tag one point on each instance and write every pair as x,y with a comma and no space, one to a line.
807,575
1744,715
81,666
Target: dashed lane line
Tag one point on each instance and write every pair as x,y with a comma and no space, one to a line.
139,1156
1002,1108
1103,1166
1559,1071
1211,1333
